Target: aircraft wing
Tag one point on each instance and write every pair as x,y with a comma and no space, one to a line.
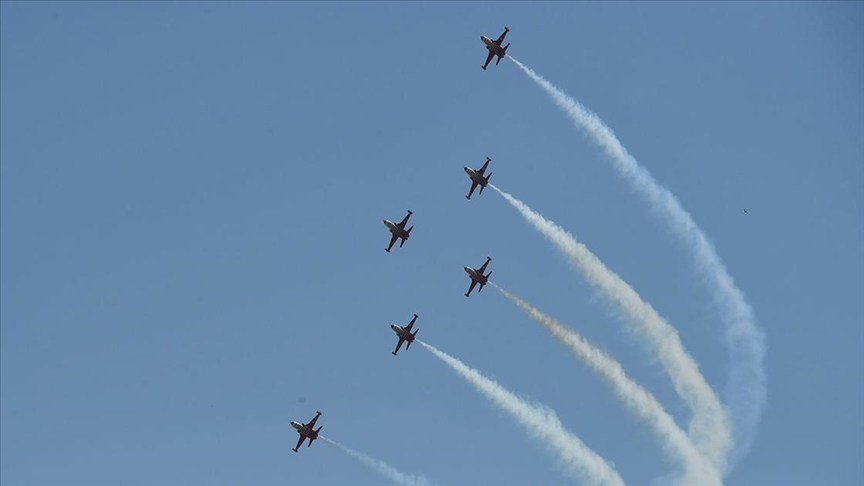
473,186
501,39
473,283
392,241
311,424
483,169
401,340
483,268
411,324
404,220
489,58
299,442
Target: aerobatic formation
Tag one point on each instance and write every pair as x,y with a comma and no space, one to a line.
703,451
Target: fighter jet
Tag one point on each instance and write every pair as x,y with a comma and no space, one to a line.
495,48
477,276
477,178
307,431
398,230
404,334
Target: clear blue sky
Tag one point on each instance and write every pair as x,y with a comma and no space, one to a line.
192,247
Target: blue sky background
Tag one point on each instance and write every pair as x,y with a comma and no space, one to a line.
192,246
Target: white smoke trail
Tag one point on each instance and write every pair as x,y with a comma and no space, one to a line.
381,467
708,429
541,422
642,403
745,390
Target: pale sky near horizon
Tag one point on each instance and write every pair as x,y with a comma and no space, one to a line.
191,237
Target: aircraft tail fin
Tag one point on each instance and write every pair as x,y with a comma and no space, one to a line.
487,182
408,345
407,235
503,53
312,439
487,275
415,332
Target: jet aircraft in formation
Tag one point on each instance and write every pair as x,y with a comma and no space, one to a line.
404,334
494,48
478,178
477,276
398,231
307,431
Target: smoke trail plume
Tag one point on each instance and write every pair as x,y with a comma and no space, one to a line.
541,422
642,403
397,477
745,391
708,429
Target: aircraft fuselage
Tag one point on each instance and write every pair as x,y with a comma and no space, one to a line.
475,275
475,176
395,229
490,44
402,333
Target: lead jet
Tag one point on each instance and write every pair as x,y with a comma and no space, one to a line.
477,276
307,431
398,230
495,48
404,334
477,177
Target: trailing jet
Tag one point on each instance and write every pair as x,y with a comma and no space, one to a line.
477,178
477,276
398,230
495,48
307,431
404,334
